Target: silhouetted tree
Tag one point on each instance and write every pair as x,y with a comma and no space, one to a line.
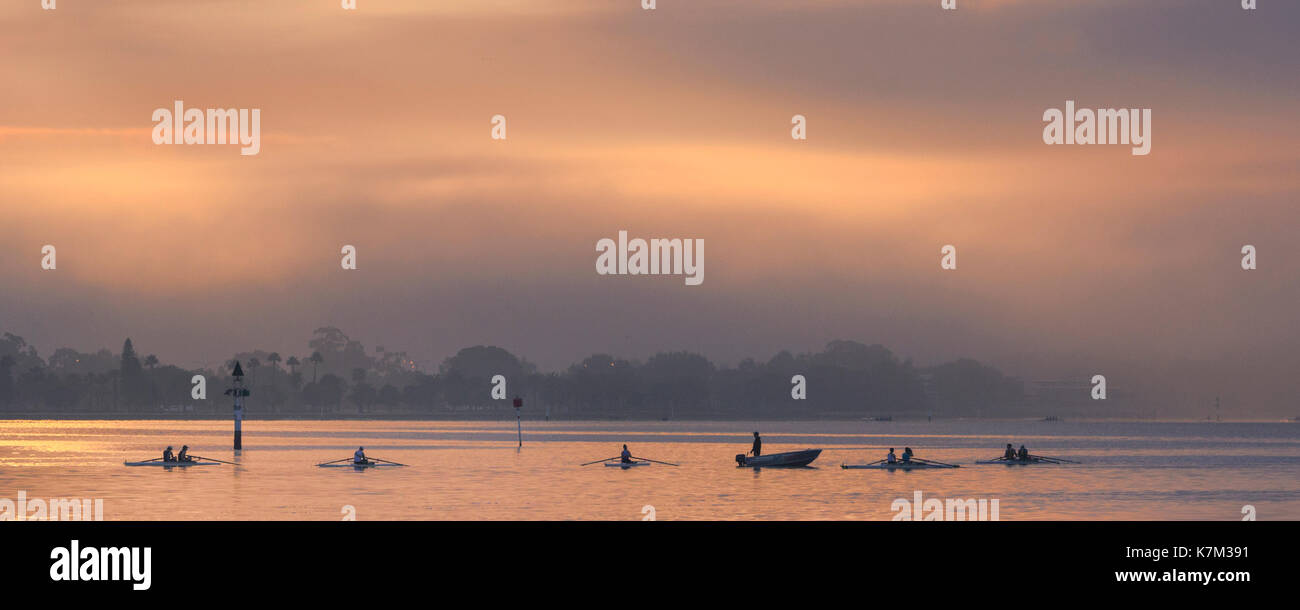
316,359
389,396
253,364
678,380
132,376
363,394
966,387
332,387
7,363
846,379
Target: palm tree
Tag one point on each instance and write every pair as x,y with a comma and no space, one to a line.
293,364
151,361
316,359
274,359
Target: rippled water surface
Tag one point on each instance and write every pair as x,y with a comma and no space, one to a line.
473,470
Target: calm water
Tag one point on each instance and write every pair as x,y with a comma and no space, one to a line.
472,470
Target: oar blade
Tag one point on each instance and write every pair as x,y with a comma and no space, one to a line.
654,461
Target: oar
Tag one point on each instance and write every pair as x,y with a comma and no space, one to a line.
199,457
599,461
655,461
923,461
336,461
386,462
1046,457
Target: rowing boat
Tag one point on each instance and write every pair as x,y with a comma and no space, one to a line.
789,459
1007,462
895,466
170,464
352,465
626,464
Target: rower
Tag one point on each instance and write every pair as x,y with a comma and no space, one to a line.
1010,454
907,455
360,456
626,456
891,458
758,445
167,454
184,455
1023,455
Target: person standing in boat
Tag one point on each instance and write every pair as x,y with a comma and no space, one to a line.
1010,453
891,458
167,454
626,456
907,455
1023,454
360,456
184,455
757,450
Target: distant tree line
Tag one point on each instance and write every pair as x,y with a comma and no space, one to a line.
337,377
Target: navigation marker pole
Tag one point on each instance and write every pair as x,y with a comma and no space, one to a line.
519,426
238,391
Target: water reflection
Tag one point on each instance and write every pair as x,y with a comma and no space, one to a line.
474,470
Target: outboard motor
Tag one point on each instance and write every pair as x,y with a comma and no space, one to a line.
740,459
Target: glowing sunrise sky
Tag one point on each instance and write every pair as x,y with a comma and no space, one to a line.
924,129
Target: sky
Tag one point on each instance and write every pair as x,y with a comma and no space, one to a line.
924,128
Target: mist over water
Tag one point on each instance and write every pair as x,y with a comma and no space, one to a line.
675,122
